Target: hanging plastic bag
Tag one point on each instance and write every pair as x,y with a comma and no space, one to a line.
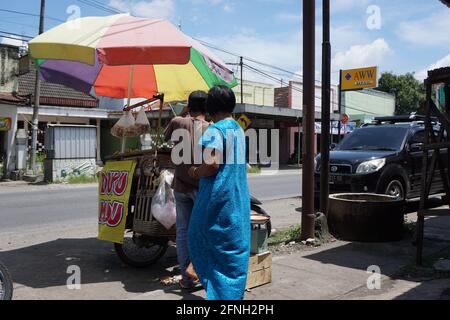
163,202
142,123
125,127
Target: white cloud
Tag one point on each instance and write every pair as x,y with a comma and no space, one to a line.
228,8
279,50
430,31
362,55
146,8
444,62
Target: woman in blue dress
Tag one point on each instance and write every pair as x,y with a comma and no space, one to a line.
219,230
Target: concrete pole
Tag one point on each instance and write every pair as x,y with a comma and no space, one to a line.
37,96
309,28
326,102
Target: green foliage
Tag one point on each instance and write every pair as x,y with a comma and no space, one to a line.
40,157
285,236
81,179
409,92
253,169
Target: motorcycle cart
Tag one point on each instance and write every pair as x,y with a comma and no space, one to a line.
146,240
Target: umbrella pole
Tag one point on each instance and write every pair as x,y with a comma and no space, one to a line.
158,138
130,83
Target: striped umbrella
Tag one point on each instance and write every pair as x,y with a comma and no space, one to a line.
122,56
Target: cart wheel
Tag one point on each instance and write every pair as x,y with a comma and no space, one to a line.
6,284
139,251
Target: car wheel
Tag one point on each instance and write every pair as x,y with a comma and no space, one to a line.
395,189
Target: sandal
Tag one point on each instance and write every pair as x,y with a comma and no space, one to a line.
187,287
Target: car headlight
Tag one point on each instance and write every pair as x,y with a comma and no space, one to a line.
371,166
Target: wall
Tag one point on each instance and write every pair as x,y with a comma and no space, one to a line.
296,97
9,68
257,93
282,97
365,104
11,112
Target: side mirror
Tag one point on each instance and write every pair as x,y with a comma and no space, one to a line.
333,146
415,147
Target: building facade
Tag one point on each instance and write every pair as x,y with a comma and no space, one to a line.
58,105
362,106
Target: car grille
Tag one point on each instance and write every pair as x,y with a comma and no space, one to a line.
339,169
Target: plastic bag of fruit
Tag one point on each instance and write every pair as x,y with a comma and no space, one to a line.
125,127
142,123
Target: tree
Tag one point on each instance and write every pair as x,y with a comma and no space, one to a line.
409,92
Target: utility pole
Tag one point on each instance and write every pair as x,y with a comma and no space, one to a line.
241,63
326,96
37,96
309,28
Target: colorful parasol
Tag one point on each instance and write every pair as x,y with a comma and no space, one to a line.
122,56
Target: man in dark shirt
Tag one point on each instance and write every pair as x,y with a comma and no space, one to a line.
185,188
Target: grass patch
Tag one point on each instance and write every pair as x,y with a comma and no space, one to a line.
253,169
81,179
285,236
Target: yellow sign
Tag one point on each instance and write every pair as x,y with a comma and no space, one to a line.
114,193
5,124
244,121
355,79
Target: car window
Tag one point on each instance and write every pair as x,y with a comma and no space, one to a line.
377,138
418,137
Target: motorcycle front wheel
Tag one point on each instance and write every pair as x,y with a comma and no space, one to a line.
6,284
140,251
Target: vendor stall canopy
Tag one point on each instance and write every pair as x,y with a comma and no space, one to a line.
99,55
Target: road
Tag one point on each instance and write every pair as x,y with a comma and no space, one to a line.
23,208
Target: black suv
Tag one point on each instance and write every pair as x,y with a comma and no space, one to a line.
384,157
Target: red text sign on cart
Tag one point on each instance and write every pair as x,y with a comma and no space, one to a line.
114,193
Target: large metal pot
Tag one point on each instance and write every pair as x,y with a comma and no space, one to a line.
366,217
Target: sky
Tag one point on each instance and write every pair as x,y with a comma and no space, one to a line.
396,35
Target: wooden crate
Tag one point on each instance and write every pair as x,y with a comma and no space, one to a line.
259,270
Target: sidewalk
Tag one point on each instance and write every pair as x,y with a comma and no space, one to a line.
337,270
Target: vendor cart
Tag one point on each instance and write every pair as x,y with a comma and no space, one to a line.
122,57
145,240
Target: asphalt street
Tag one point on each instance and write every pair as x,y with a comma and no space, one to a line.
29,208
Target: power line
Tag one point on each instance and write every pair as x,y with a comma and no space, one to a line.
30,14
16,34
19,24
297,89
291,73
106,5
100,6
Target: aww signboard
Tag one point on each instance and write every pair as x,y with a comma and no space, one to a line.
114,193
356,79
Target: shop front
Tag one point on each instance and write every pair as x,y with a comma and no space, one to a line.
277,131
